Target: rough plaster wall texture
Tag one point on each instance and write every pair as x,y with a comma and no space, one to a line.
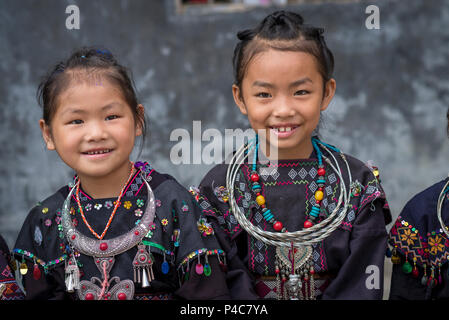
390,105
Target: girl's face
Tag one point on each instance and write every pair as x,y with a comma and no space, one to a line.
93,130
282,94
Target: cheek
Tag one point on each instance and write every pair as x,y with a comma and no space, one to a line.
64,139
258,113
126,134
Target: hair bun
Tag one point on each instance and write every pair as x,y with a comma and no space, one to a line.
245,35
284,17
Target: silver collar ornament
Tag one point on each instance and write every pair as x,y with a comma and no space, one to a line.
103,252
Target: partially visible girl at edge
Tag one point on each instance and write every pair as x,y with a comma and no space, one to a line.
419,240
312,224
121,230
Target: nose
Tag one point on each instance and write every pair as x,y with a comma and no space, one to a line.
282,108
95,131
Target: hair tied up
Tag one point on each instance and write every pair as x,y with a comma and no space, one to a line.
245,35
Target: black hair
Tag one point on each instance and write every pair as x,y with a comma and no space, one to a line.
285,31
86,64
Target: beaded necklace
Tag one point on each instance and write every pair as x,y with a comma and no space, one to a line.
117,204
319,194
293,249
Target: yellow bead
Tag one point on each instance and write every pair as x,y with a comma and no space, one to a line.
260,200
319,195
395,259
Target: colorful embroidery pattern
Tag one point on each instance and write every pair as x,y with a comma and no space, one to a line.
9,290
277,177
430,249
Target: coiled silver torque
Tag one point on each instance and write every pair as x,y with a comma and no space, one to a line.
305,237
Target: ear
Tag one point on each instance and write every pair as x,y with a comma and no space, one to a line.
141,120
238,98
46,134
329,92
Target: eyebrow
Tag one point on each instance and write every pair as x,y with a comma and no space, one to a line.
258,83
300,81
110,106
262,84
81,111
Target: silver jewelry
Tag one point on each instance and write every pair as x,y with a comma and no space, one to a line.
298,240
103,252
439,207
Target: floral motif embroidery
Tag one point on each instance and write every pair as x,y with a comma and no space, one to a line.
45,210
138,212
164,222
88,207
140,203
47,222
221,193
435,244
127,204
98,206
108,204
204,227
409,237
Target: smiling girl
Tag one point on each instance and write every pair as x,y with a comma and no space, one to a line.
310,223
120,230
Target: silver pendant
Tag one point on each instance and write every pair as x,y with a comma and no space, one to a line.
293,286
143,266
295,265
122,290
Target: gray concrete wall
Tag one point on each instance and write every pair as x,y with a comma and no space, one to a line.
390,106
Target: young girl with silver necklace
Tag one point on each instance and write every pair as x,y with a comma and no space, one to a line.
120,230
310,224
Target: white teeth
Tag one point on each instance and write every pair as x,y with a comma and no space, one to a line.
98,152
283,129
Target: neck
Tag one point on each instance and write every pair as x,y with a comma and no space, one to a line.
301,151
108,186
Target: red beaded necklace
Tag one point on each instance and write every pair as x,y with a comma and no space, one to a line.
117,204
260,199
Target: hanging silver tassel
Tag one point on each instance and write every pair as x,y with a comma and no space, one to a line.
145,281
143,266
72,276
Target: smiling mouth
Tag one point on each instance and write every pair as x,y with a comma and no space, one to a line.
99,151
284,129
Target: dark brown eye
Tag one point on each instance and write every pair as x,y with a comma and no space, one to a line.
263,95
